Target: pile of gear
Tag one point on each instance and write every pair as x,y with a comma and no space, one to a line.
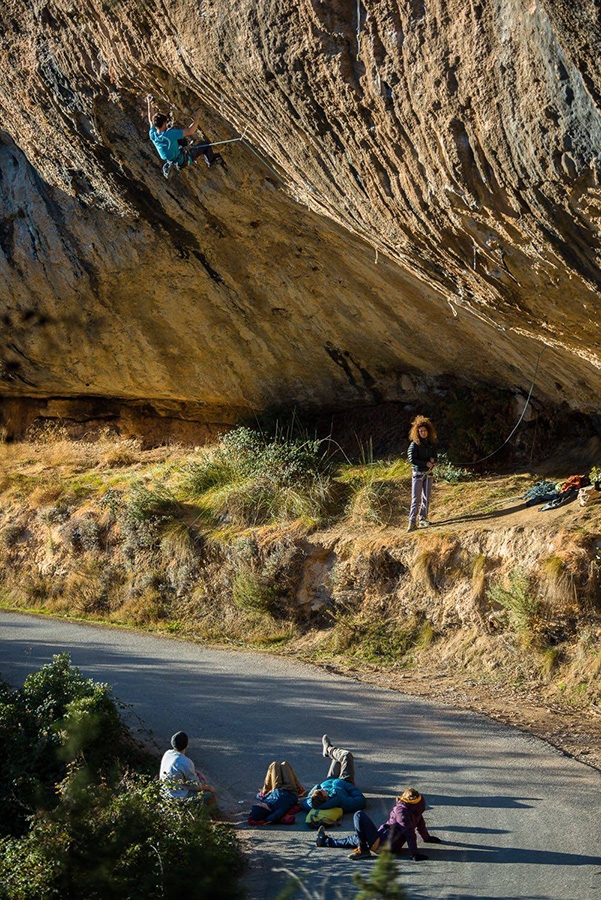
587,488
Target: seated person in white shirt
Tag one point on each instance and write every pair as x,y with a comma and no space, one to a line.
181,780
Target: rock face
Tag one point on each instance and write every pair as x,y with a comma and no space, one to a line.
418,193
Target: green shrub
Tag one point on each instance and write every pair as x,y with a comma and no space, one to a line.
286,461
520,605
112,500
377,639
253,593
82,534
120,842
383,883
58,717
144,505
447,471
254,479
75,823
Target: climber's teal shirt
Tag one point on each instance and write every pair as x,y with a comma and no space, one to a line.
166,142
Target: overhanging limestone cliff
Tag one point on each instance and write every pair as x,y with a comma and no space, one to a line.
456,143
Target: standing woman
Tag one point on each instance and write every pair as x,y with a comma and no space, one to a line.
422,457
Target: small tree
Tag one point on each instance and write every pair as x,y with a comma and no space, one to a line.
383,882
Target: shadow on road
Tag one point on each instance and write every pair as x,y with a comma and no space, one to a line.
485,802
476,853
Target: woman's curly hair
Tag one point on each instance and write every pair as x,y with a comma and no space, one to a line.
422,422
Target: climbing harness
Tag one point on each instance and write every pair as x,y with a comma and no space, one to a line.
183,160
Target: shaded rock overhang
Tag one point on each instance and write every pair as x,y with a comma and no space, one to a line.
418,194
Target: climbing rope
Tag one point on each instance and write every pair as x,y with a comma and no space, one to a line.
517,425
231,140
358,30
394,428
263,160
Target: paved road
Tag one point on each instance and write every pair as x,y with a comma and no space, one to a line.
521,820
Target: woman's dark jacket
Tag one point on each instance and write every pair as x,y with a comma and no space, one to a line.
420,453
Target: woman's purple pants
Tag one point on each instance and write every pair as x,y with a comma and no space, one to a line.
421,488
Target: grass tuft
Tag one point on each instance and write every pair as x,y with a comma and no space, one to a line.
249,479
376,491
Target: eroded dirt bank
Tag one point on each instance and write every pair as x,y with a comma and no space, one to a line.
495,607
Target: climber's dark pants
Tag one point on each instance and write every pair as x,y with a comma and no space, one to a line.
197,150
202,149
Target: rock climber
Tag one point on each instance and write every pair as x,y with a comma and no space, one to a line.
172,143
338,789
278,799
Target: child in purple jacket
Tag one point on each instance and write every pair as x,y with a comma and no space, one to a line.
406,817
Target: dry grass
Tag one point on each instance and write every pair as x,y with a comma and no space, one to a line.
583,670
559,582
435,563
378,492
194,563
482,496
571,577
479,567
424,563
144,608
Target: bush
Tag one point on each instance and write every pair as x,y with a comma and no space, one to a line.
595,474
445,470
53,514
145,505
252,479
10,535
82,534
145,517
76,822
285,461
520,606
378,639
122,842
58,717
383,883
252,593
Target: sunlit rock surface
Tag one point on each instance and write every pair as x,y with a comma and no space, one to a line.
419,195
